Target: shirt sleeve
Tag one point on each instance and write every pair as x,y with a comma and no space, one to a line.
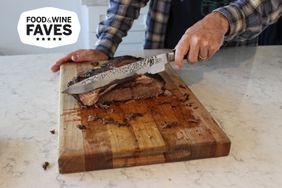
248,18
120,16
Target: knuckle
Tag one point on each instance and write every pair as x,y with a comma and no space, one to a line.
195,39
205,43
213,47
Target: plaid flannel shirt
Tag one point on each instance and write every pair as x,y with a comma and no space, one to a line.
247,19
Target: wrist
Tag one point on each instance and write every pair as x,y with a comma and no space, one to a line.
103,54
221,20
104,50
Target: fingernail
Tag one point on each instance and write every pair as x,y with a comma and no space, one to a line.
53,69
75,57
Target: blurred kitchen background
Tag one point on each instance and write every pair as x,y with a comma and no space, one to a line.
90,13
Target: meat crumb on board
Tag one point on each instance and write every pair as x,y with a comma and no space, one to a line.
52,131
133,115
193,119
169,124
81,127
109,120
93,118
45,165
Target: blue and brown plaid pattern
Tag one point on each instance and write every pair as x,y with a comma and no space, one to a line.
247,19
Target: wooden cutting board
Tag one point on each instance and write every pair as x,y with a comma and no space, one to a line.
172,128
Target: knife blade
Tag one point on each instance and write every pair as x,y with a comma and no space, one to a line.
152,65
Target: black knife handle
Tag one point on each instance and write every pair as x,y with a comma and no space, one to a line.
173,53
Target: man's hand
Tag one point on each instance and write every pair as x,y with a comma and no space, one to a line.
80,56
202,40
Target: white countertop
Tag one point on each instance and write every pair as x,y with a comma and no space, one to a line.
241,88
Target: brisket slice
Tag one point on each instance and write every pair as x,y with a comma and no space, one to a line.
134,87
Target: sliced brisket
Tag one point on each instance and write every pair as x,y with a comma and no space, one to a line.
135,87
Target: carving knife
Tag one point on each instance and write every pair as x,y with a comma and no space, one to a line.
152,65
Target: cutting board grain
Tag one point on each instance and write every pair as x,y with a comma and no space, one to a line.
172,128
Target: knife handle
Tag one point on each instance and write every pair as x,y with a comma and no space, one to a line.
171,55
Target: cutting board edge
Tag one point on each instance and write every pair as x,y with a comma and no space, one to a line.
64,170
73,161
223,147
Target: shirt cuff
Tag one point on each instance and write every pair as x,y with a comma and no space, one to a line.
235,18
106,45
